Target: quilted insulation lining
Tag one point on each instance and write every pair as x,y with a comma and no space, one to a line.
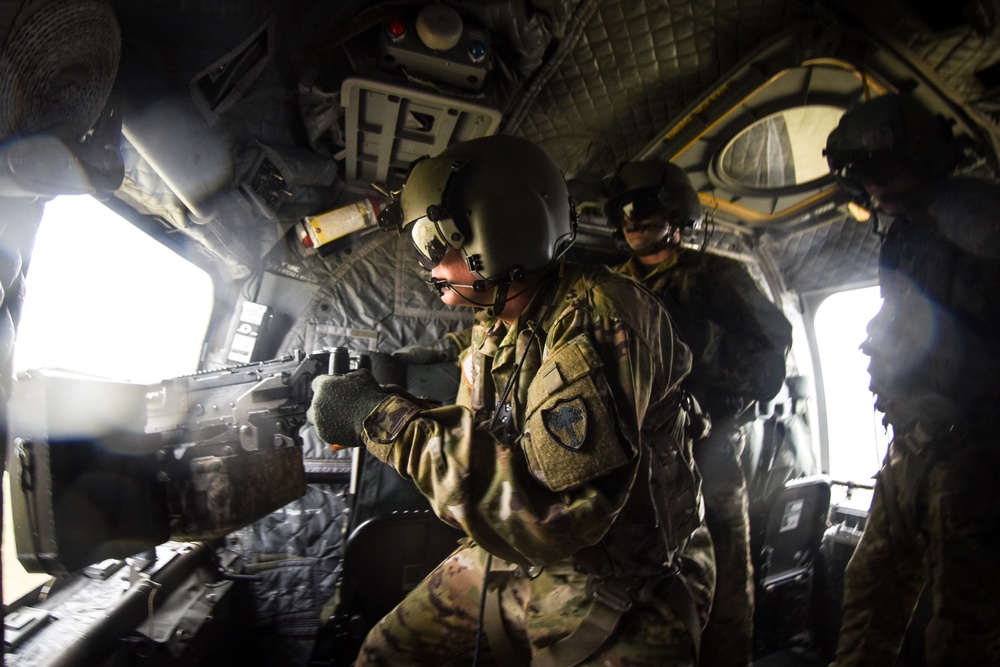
375,300
657,60
840,253
954,54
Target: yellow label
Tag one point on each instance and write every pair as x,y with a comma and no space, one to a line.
339,223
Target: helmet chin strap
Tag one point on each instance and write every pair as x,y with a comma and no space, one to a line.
500,298
653,248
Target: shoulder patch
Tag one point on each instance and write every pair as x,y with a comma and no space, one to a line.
566,422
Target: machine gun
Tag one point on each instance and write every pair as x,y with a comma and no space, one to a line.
103,469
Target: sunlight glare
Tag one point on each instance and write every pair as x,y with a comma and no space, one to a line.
106,299
857,437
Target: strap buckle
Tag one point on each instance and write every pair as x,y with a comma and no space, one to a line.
615,597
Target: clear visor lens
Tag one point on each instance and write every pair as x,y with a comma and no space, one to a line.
641,205
428,242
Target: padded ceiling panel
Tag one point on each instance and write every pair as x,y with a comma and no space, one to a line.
844,252
636,67
971,43
596,81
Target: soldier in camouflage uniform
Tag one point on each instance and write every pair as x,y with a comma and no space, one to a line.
566,460
738,340
934,523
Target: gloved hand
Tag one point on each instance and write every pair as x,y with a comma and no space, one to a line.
341,403
444,349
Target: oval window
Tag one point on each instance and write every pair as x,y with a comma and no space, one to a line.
782,150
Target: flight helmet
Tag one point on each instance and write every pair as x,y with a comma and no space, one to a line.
876,139
640,189
499,200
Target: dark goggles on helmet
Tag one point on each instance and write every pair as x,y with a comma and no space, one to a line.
876,166
641,204
432,238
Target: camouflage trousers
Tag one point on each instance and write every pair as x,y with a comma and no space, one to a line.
728,637
436,624
934,523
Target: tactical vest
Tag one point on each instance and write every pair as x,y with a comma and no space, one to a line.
738,338
673,486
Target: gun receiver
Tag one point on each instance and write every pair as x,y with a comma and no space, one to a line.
258,405
230,445
104,469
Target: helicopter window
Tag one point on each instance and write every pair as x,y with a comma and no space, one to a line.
857,439
106,299
780,150
103,298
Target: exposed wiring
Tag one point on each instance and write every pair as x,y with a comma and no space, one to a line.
251,286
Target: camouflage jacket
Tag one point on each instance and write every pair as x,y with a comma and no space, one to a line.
586,457
738,338
935,343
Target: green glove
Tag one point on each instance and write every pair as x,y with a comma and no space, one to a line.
340,405
439,351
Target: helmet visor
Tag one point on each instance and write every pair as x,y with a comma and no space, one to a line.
638,205
432,239
428,243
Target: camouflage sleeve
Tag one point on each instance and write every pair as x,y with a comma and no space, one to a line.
562,485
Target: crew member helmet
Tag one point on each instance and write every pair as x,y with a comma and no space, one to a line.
641,189
499,200
876,139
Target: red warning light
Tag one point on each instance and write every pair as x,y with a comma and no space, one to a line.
396,29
